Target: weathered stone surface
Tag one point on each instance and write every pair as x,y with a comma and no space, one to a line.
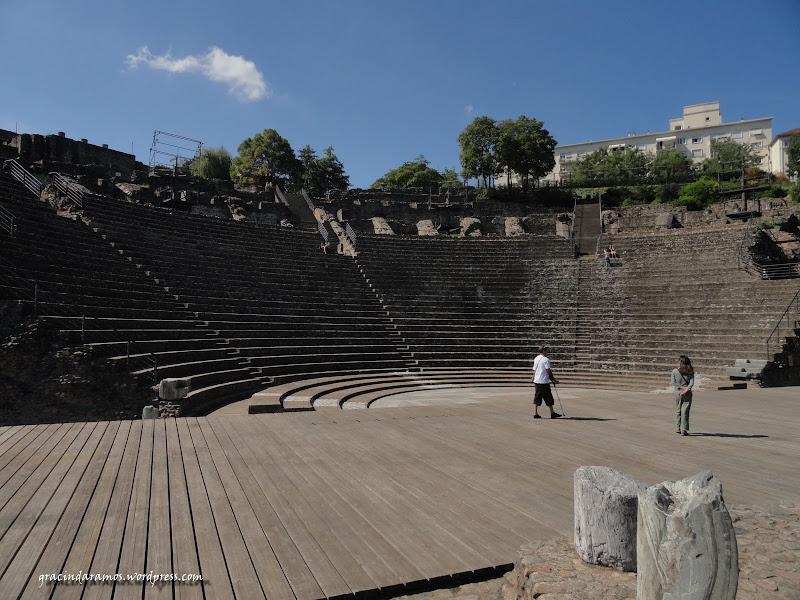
381,226
514,226
686,545
605,517
470,226
665,221
426,227
173,388
150,412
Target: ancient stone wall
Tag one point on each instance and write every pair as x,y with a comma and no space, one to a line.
59,149
650,217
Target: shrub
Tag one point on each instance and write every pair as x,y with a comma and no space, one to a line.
794,192
698,195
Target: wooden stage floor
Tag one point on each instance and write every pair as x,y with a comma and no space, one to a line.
340,503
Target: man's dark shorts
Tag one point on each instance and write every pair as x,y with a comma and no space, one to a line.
543,392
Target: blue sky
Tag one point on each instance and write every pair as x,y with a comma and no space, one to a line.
385,81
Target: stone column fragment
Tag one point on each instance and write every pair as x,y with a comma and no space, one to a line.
686,545
605,517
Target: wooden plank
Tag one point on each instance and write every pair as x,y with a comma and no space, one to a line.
267,567
211,558
33,474
8,435
55,527
184,543
77,556
385,565
68,465
288,509
68,534
133,554
294,567
371,494
24,457
159,543
297,511
22,438
243,576
105,560
456,517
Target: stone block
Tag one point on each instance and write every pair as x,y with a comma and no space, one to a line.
605,517
149,412
686,545
665,221
173,388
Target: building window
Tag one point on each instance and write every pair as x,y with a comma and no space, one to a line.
697,140
756,132
737,135
756,146
785,143
697,153
643,147
677,127
682,141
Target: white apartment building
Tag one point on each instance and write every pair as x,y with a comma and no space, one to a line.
778,149
691,134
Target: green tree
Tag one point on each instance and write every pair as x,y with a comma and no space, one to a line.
266,157
698,195
414,173
526,148
793,155
321,176
477,141
213,163
728,160
450,178
671,167
605,167
588,171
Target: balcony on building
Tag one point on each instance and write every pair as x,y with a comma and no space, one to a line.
666,143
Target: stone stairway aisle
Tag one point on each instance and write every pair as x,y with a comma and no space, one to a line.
587,227
299,208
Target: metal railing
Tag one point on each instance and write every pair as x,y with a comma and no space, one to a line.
787,324
30,181
280,196
351,235
7,220
310,204
323,231
66,187
30,291
746,263
572,223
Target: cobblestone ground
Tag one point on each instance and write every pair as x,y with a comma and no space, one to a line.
769,566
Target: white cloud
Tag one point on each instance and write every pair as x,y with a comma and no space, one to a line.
244,79
468,109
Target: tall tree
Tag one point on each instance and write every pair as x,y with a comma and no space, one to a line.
413,173
526,148
793,155
605,167
322,175
671,167
266,157
213,163
728,160
477,141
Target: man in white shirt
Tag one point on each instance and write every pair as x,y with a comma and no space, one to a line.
542,376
